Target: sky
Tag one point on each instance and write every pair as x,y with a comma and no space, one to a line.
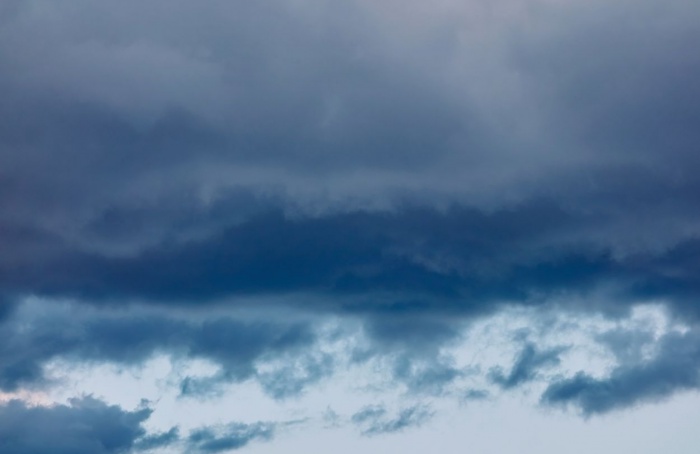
349,226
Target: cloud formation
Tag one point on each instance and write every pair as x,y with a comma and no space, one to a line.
253,172
231,437
375,420
42,334
672,368
85,426
213,181
526,365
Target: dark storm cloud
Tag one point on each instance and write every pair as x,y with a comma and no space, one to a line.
89,120
622,82
413,276
123,106
415,173
7,307
375,420
29,342
673,367
84,426
107,167
460,261
673,275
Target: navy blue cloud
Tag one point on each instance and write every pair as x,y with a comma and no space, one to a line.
132,338
460,261
674,367
88,174
463,258
123,134
84,426
88,425
412,275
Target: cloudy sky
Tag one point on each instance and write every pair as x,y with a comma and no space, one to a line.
349,226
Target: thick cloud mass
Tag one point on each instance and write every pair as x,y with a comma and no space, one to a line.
318,150
33,340
89,426
674,367
85,426
409,168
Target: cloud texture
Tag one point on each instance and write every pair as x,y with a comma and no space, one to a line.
214,181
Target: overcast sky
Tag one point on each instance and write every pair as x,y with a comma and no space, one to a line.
350,226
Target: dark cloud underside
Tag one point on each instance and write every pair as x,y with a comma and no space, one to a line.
31,342
412,168
85,426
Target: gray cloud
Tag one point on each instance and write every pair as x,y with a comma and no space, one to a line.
461,261
104,158
230,437
410,348
296,375
32,340
84,426
312,96
89,425
526,365
415,173
158,440
673,367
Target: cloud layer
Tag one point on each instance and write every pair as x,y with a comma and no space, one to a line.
216,181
